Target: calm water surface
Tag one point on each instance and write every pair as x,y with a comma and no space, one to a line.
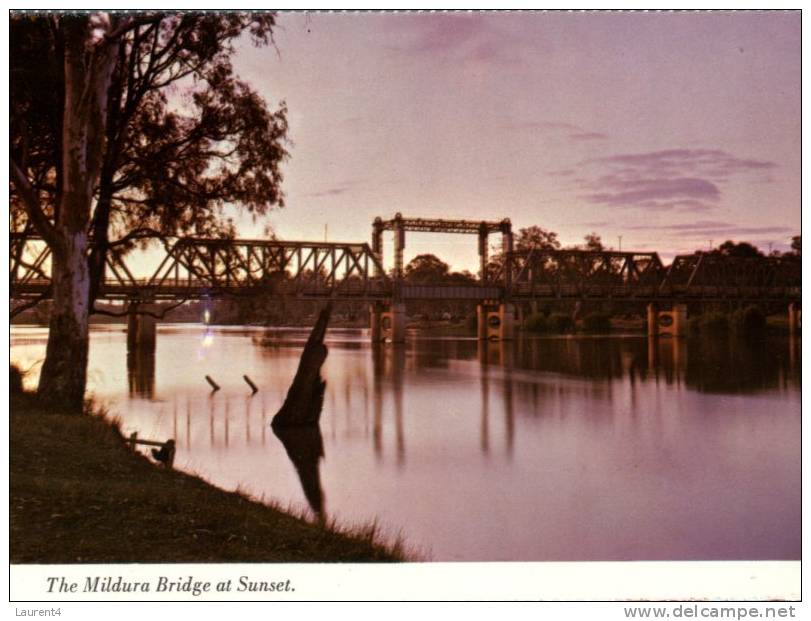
540,449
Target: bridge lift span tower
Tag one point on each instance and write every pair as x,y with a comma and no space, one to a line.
388,319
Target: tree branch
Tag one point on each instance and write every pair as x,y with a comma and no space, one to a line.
31,303
32,206
143,233
129,23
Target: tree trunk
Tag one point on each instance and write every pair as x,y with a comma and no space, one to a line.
97,259
101,219
89,62
64,373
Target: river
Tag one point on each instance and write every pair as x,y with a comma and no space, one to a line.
544,449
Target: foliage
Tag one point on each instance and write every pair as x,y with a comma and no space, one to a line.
560,323
749,321
426,269
796,245
714,323
710,323
593,242
694,325
597,322
536,322
125,128
738,249
535,237
460,278
528,238
185,137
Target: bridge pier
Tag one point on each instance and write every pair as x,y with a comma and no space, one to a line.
667,322
495,322
141,330
387,322
794,317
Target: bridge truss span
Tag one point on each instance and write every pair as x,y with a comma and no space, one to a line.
549,273
193,268
244,267
710,275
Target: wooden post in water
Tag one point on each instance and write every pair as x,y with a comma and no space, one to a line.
251,384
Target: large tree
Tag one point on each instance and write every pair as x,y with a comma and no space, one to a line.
426,269
529,238
593,242
797,245
738,249
536,237
173,137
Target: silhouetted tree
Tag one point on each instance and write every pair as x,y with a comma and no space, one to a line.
796,245
738,249
460,278
125,129
530,238
593,242
536,237
426,268
88,47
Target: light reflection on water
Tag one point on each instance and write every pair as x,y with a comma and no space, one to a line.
540,449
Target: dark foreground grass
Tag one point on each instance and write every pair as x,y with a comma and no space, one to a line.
79,495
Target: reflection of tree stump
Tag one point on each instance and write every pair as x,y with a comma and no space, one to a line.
305,448
296,423
306,395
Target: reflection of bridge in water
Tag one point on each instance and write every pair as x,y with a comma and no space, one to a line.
516,380
196,268
437,420
526,366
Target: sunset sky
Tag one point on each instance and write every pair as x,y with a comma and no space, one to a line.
672,130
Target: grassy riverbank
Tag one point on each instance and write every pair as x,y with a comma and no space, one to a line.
79,495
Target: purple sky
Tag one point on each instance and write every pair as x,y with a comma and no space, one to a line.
668,129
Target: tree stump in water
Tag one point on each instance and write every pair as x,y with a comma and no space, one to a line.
306,395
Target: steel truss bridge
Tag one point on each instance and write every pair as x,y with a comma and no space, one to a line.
194,268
